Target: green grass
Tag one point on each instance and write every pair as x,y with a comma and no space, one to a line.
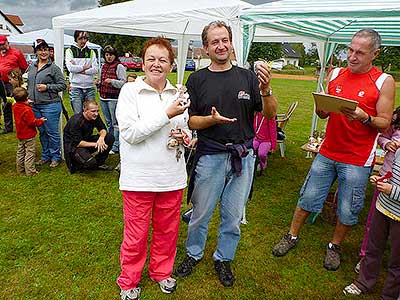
60,234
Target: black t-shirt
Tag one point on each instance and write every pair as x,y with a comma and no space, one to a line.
79,129
234,93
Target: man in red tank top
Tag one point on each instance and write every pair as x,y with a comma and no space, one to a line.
348,152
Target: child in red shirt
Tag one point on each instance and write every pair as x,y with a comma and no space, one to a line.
25,124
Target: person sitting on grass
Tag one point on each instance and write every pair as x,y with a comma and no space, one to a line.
385,226
25,124
80,142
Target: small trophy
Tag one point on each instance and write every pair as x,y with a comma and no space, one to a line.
183,96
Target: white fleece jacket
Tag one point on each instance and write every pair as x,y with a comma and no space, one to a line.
75,67
146,162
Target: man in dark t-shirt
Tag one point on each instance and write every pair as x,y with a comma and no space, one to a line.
80,142
223,101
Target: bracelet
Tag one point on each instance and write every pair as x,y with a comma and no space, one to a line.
269,93
367,121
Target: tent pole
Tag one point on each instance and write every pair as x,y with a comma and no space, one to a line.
59,59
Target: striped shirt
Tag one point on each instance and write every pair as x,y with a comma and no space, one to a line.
389,204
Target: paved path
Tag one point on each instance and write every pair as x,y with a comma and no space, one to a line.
296,77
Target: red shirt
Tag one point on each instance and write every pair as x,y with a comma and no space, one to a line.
346,141
12,59
25,121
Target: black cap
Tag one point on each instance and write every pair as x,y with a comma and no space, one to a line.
39,43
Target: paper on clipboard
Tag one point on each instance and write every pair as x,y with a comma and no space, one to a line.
331,103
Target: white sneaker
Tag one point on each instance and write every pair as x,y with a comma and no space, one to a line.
352,289
168,285
132,294
358,266
111,152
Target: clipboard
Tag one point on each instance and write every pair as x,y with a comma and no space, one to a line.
331,103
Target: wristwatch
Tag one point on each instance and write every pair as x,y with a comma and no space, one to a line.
267,94
367,121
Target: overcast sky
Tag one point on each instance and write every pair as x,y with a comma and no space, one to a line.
37,14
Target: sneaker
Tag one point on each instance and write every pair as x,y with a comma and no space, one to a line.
54,163
332,257
223,269
105,167
285,244
352,289
168,285
118,167
358,266
186,267
42,162
132,294
113,152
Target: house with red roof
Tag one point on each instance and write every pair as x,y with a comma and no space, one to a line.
10,24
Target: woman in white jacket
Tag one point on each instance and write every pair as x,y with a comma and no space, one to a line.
153,173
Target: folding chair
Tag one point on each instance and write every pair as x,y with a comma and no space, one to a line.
282,120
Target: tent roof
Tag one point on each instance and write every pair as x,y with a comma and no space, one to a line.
151,18
329,20
47,34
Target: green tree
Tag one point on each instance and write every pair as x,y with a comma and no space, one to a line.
124,43
388,58
311,58
267,51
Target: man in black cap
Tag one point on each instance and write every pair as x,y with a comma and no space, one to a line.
10,58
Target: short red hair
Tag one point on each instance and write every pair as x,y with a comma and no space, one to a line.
162,43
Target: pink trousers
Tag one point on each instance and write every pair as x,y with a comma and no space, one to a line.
163,209
263,148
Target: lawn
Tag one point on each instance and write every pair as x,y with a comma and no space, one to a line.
60,234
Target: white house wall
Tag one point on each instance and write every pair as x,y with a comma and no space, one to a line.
6,28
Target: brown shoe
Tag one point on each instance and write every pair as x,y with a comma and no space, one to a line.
54,163
42,162
284,245
332,258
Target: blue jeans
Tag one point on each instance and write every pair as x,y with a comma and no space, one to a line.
352,182
49,134
78,95
108,109
215,180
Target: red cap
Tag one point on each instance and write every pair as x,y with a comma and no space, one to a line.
3,39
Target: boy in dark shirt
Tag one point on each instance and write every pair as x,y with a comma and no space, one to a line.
80,142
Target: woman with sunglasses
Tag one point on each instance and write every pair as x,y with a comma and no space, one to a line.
45,81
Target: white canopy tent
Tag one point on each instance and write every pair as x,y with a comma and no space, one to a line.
181,20
329,22
49,36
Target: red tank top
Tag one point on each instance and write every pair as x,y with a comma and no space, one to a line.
346,141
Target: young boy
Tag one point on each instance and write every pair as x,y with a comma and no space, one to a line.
131,77
25,123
